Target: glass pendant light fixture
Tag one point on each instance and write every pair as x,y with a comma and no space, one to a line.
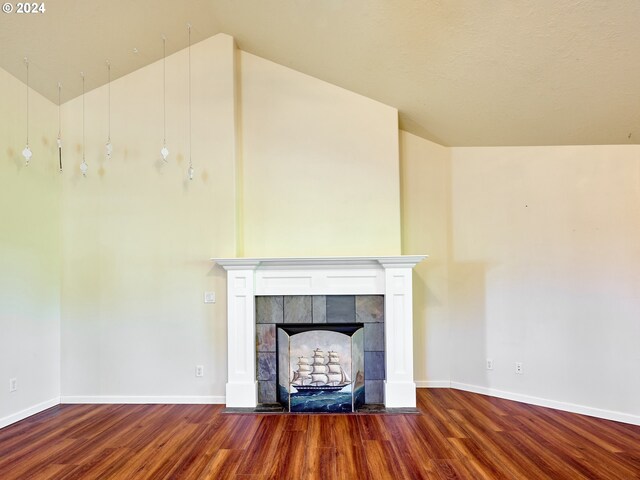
164,151
83,166
26,153
190,171
59,140
108,148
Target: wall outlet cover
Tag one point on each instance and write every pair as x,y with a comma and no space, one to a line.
209,297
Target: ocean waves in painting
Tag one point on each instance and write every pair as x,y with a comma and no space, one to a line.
324,402
333,402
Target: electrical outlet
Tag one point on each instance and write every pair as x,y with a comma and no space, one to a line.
519,368
199,370
209,297
489,364
13,384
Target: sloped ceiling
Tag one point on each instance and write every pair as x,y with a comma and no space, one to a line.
461,72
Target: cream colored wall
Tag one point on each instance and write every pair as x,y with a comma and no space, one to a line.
425,182
320,167
299,166
534,258
545,264
29,251
138,235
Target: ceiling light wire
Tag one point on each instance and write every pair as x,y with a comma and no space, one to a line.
26,153
83,166
82,73
164,151
190,171
108,100
59,116
59,140
26,61
164,90
108,147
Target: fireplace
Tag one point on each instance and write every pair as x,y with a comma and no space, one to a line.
248,279
321,367
318,312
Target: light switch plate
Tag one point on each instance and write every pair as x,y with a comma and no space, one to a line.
209,297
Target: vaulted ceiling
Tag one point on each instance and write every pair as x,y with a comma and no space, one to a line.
461,72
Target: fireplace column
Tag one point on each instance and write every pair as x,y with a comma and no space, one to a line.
399,389
241,390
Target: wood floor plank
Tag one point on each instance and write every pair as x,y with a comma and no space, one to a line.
223,465
372,428
383,461
454,469
320,464
351,459
263,447
596,452
320,432
239,431
457,435
511,459
569,448
289,457
480,461
410,447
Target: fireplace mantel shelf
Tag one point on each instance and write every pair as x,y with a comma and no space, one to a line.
384,275
330,262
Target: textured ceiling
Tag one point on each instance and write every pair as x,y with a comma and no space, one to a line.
461,72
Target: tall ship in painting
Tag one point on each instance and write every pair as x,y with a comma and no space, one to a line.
318,376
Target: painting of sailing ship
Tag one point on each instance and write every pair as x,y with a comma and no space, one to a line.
319,376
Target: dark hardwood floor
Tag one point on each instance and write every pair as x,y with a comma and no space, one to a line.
457,435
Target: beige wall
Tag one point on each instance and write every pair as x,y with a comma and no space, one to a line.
29,251
320,167
544,270
318,173
425,184
534,258
138,235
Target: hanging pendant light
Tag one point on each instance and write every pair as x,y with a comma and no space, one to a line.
190,171
59,130
108,148
26,153
164,151
83,166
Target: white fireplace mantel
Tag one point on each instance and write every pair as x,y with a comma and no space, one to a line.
389,276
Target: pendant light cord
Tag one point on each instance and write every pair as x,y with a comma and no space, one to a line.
82,73
190,162
108,102
59,130
26,61
164,91
59,117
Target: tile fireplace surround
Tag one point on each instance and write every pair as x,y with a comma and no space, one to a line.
251,277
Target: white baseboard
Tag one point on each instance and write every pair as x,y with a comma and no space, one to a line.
543,402
162,399
433,384
27,412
